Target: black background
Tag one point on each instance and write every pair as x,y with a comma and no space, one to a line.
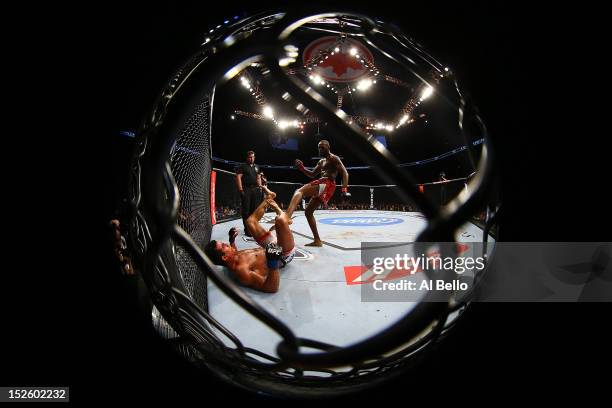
536,82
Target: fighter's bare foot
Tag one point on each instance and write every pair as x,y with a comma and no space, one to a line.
270,195
272,204
315,244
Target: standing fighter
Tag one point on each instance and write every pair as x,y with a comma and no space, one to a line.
320,190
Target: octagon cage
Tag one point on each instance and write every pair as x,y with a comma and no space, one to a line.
170,194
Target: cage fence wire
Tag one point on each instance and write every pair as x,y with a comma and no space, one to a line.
171,191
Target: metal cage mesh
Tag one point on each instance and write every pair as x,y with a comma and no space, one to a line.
170,196
190,164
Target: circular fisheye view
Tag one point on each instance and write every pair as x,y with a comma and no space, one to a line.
312,203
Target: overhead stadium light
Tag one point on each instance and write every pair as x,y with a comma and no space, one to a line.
364,84
283,62
284,124
403,120
317,79
427,92
268,112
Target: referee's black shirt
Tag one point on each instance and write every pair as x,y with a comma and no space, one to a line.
249,174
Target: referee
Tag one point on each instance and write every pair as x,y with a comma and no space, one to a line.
248,180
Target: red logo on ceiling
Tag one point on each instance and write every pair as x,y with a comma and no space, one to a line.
343,66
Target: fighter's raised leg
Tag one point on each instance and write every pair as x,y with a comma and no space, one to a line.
253,221
308,190
284,235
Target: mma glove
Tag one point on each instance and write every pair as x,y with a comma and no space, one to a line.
232,234
345,193
274,253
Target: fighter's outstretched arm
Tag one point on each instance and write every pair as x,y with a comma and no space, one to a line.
249,277
232,234
343,172
268,284
310,173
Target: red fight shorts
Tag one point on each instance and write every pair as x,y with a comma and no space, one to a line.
326,189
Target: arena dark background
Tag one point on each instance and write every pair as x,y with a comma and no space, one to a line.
498,53
519,63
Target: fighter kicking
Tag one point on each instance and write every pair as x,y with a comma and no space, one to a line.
258,268
320,190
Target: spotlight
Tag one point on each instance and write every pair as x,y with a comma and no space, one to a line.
316,79
427,92
268,112
286,61
403,120
364,84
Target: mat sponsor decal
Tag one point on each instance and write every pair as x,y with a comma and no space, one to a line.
271,218
361,221
360,274
301,255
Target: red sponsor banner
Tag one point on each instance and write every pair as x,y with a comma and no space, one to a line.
213,182
358,275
